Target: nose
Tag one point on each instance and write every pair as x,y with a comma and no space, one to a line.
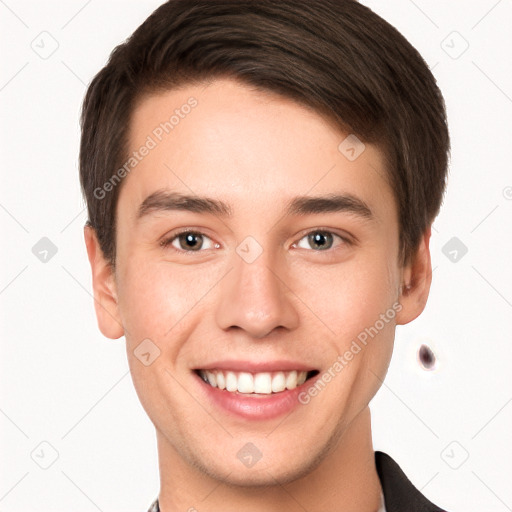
257,298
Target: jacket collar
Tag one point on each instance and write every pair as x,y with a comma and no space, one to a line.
400,495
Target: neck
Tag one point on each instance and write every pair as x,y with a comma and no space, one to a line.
345,480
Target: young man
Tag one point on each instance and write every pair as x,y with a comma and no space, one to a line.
261,178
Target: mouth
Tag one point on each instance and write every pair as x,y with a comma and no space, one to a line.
255,384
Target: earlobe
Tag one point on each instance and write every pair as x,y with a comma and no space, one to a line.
104,289
417,278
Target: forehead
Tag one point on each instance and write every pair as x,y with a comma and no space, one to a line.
249,148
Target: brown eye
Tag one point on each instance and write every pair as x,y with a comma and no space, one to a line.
187,241
190,241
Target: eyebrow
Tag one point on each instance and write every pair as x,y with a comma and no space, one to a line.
163,201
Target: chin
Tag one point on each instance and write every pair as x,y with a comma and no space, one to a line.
267,471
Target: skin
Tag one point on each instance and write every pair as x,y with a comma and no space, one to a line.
255,151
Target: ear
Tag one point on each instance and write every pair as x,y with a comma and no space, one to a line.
105,295
416,281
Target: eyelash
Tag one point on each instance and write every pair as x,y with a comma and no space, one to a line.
166,243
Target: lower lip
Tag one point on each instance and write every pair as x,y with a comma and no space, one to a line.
261,407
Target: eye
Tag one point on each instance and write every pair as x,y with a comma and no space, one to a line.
322,240
188,241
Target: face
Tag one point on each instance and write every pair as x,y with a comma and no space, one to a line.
231,299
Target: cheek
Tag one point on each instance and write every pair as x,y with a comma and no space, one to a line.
350,297
153,301
359,308
156,303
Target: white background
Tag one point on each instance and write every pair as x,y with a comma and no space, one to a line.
64,384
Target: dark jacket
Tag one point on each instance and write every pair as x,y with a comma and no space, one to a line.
400,495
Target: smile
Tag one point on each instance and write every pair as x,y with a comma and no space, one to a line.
264,383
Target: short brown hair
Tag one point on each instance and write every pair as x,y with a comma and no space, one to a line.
336,56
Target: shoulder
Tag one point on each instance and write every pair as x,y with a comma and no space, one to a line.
400,494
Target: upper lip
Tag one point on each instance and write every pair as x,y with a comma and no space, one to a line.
256,366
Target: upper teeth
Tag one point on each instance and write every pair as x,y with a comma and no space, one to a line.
245,382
